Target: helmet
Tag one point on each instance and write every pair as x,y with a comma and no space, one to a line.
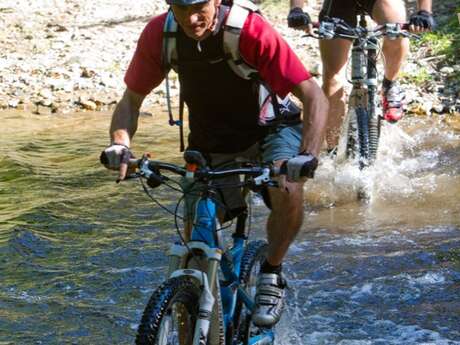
185,2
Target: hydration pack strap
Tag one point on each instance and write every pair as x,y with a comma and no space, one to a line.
268,100
169,51
232,31
169,59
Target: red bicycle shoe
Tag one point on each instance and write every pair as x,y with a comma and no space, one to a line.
392,102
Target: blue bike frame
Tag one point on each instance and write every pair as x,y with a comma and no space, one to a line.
205,230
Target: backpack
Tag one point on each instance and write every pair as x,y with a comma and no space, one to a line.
273,110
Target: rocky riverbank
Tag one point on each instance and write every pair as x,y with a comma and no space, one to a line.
65,56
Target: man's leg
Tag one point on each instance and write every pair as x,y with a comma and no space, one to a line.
284,221
334,56
394,52
283,224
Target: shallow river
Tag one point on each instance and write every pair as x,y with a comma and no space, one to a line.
80,255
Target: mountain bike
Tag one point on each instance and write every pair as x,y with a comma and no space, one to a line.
209,292
360,133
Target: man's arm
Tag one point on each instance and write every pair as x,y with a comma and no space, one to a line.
124,118
422,20
315,110
425,5
297,18
297,3
122,129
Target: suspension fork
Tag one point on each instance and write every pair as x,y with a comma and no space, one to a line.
358,121
374,119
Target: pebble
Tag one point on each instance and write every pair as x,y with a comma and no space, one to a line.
447,70
438,108
72,55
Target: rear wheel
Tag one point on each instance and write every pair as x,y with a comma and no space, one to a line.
253,257
171,314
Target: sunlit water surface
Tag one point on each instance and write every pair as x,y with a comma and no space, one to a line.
80,255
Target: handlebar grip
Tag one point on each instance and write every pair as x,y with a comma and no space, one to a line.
154,180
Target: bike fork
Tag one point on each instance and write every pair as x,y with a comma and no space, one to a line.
358,128
374,119
178,255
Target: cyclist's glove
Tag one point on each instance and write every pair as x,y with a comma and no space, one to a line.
114,155
302,165
297,18
423,19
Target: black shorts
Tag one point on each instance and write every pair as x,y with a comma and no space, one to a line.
346,9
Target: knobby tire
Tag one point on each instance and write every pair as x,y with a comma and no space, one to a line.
180,290
255,253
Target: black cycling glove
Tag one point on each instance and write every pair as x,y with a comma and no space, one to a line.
423,19
302,165
297,17
114,155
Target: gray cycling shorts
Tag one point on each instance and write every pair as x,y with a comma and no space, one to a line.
281,144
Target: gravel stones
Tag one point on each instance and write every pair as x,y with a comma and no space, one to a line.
68,55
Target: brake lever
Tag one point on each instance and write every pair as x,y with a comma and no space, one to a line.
263,178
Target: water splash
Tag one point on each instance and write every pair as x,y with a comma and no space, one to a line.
81,253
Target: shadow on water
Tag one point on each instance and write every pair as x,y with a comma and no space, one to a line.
80,255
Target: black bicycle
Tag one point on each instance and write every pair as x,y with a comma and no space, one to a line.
360,131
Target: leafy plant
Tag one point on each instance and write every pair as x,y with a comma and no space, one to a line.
445,40
419,77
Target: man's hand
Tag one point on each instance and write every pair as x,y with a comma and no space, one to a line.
300,167
421,21
298,19
116,157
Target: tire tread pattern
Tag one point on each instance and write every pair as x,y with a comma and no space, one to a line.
181,289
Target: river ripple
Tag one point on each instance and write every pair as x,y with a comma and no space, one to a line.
80,255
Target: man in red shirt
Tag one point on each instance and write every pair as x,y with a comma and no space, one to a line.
223,116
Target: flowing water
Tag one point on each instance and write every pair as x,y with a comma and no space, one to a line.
80,255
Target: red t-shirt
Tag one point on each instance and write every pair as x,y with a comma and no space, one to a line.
260,46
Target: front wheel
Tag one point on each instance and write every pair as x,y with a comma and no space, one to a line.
253,257
171,314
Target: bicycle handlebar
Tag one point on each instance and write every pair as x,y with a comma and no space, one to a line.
337,28
151,170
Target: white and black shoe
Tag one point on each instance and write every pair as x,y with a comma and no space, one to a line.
269,299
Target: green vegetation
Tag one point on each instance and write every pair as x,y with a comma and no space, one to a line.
443,45
446,39
420,77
